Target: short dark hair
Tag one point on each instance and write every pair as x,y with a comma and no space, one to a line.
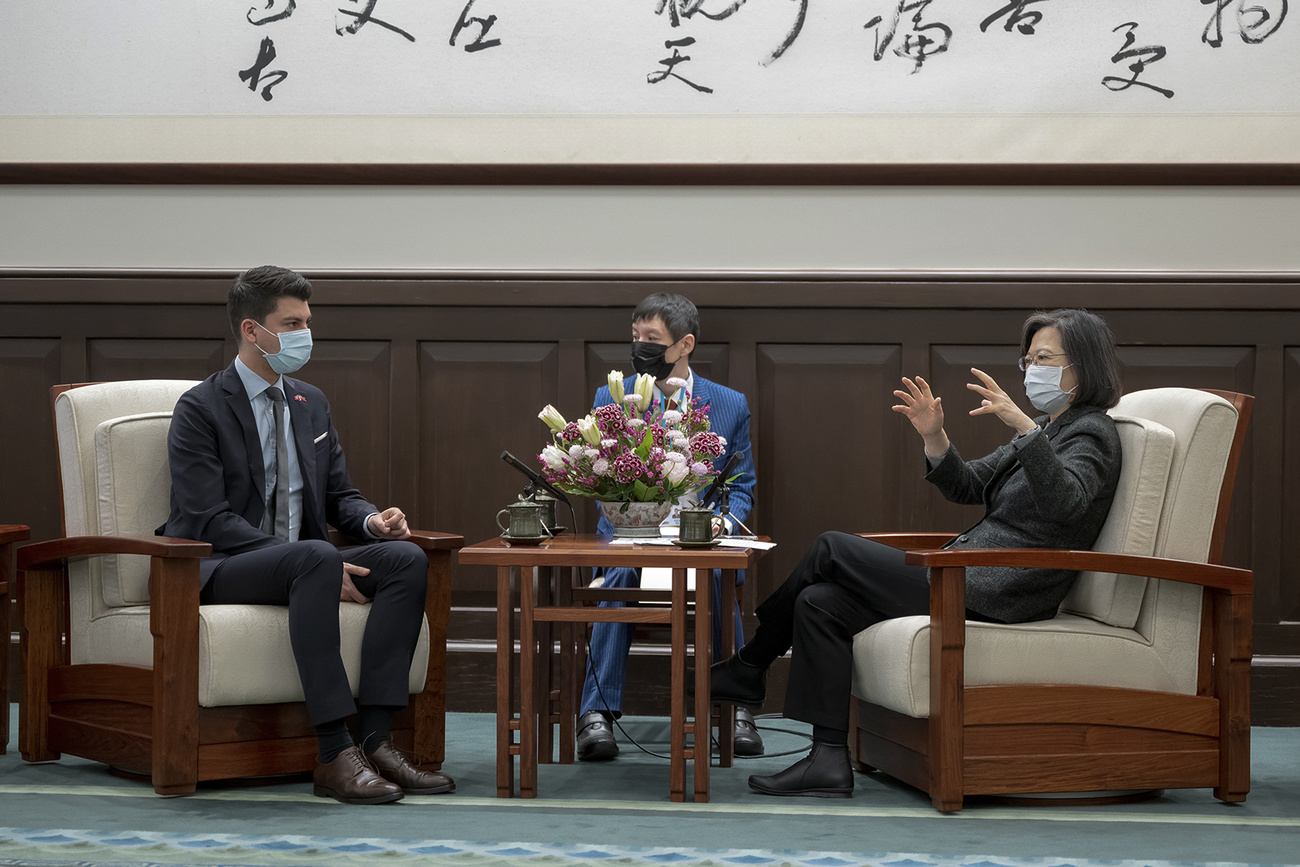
257,292
677,312
1090,346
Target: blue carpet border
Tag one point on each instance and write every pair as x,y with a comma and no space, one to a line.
41,847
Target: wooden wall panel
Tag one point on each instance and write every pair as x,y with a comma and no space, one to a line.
356,376
111,359
475,400
818,437
28,472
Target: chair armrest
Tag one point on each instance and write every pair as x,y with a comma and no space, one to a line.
61,550
431,540
1223,578
14,533
909,541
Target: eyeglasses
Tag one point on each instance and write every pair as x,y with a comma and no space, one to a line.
1038,360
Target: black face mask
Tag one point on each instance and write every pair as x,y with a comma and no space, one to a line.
648,358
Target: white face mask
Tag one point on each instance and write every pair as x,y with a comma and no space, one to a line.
1043,388
295,349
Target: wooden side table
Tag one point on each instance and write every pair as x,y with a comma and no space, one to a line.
566,553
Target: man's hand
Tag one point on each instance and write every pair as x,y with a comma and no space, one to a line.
350,592
389,524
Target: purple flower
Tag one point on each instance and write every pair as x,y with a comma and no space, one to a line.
706,443
570,432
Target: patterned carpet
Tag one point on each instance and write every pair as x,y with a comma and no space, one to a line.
134,849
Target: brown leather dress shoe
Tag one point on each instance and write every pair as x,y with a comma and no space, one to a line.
394,766
352,780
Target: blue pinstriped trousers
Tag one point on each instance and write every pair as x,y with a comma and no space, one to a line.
611,643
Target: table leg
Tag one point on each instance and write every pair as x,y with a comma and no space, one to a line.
527,700
727,712
545,638
703,640
677,744
505,685
568,676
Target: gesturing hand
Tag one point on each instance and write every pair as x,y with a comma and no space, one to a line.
350,593
925,412
922,408
389,524
997,402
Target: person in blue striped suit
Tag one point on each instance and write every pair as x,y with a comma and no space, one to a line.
665,330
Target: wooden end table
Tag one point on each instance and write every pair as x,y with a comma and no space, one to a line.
562,606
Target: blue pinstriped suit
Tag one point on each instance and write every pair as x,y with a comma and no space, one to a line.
611,642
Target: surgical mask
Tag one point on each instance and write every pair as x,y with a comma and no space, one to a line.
295,350
648,358
1043,388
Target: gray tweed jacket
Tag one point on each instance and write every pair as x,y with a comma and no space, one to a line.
1052,491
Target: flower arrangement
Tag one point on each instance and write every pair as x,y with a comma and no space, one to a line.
631,451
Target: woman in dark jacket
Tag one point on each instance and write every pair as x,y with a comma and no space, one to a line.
1051,486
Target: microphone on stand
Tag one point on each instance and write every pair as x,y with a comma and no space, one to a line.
537,480
720,483
721,490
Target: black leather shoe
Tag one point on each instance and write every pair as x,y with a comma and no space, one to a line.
595,738
824,773
735,682
747,741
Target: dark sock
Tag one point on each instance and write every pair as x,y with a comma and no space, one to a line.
830,737
374,726
334,739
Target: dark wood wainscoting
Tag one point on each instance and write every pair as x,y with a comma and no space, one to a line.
432,375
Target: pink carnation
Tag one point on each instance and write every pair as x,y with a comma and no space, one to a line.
571,432
706,443
610,418
628,468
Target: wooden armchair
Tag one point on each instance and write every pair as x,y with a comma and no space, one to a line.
1134,685
148,681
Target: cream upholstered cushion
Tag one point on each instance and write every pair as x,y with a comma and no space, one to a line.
113,456
244,651
1148,451
1158,651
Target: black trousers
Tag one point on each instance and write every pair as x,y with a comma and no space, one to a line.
307,576
843,584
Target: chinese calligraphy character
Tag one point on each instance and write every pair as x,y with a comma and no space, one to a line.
916,45
1017,16
679,9
670,62
271,16
256,74
485,24
1141,57
366,16
1253,21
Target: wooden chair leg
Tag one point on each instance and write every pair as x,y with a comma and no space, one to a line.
173,621
40,600
430,705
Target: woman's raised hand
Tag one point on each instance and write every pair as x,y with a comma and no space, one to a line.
997,402
925,412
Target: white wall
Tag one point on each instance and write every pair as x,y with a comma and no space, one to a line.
666,228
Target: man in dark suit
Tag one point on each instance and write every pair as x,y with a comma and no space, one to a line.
665,329
258,472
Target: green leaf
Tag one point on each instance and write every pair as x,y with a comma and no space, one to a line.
642,492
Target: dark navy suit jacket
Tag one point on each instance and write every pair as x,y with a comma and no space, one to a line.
218,478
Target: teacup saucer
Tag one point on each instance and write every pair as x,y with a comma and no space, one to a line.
523,540
557,530
683,544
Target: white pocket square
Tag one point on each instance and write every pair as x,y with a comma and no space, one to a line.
321,437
